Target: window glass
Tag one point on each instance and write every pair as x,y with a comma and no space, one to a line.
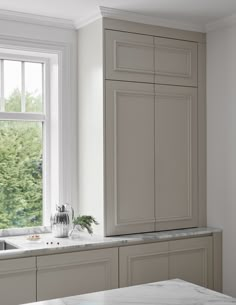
21,172
12,85
33,87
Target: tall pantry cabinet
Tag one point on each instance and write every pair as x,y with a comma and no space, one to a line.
141,127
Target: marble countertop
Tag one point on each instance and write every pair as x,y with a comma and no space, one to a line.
172,292
51,245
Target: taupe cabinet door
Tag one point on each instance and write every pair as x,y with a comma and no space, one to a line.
129,161
175,62
129,57
143,264
191,260
18,281
62,275
176,202
187,259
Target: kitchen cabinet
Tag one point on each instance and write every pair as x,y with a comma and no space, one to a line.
129,57
187,259
143,264
176,197
141,127
175,62
144,58
191,260
62,275
17,281
129,157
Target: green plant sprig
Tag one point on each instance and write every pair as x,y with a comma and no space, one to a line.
85,222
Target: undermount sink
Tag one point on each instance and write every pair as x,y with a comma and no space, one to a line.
4,246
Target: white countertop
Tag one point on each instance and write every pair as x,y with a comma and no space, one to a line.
172,292
51,245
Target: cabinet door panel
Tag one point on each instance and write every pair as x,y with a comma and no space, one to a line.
129,57
129,158
191,260
63,275
175,62
18,281
143,264
176,157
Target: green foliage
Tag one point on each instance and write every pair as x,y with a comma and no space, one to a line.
21,194
85,222
33,102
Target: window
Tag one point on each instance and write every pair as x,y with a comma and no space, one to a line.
24,140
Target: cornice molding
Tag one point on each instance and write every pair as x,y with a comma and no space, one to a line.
36,19
81,23
140,18
221,23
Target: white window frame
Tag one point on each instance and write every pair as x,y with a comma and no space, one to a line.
43,118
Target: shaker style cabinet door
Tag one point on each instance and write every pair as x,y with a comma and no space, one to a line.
129,57
129,161
175,62
143,264
191,260
69,274
18,281
176,199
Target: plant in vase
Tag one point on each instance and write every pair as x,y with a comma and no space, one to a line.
83,222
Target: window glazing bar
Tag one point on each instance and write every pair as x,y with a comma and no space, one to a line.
2,100
22,86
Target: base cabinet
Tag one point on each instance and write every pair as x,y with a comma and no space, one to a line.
71,274
191,260
17,281
188,259
143,264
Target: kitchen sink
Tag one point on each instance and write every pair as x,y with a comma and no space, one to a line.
6,246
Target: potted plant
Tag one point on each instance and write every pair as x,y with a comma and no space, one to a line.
83,222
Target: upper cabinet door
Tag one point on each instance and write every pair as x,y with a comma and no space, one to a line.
176,157
175,62
129,57
129,161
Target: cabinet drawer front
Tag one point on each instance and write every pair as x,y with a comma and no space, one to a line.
75,273
143,264
175,62
191,260
129,57
175,157
129,157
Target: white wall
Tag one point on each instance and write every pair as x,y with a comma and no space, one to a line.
221,145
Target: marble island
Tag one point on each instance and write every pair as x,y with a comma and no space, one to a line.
171,292
51,245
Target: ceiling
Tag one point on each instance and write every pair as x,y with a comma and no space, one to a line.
192,12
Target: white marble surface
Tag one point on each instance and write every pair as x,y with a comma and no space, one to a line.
51,245
172,292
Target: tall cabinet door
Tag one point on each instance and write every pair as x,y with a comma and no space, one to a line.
129,161
176,202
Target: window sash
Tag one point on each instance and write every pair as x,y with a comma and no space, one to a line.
23,59
19,116
43,117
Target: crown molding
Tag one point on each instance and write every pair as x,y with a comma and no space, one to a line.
221,23
36,19
81,23
140,18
